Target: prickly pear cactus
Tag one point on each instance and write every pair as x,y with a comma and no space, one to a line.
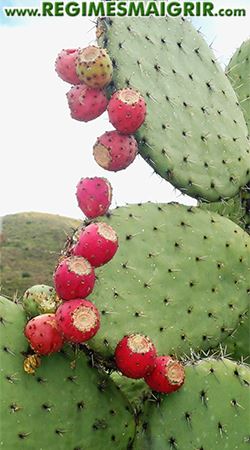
238,72
194,135
180,276
136,391
238,343
236,209
209,412
66,404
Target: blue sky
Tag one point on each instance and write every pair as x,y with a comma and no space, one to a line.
19,21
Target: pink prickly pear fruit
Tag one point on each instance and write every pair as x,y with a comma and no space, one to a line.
43,334
97,243
168,375
94,196
74,278
66,66
127,110
78,320
86,103
94,67
114,151
135,356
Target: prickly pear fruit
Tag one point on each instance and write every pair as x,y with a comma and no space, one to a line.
43,334
40,299
114,151
66,66
94,67
97,243
94,196
78,320
168,375
127,110
86,103
135,356
74,278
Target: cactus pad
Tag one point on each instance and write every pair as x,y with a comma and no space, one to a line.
238,72
210,412
180,276
236,209
194,134
136,391
238,343
57,406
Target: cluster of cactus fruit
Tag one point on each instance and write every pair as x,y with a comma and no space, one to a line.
90,70
175,290
73,318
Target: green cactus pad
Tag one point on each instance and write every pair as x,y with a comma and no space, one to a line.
238,72
210,411
180,276
194,134
40,299
235,209
136,391
65,405
238,343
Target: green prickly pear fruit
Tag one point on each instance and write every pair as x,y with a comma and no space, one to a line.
40,299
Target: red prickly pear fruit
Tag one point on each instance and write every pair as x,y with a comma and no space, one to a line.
86,103
94,196
74,278
127,110
78,320
66,66
167,376
135,356
114,151
94,66
43,334
97,243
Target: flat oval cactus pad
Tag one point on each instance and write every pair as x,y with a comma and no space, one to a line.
194,135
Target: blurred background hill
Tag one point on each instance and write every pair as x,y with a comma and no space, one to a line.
31,243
